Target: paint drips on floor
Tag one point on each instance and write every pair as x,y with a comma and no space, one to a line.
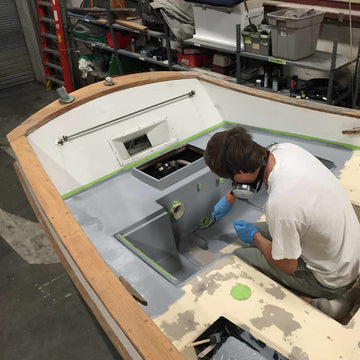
276,316
298,354
210,283
276,291
184,324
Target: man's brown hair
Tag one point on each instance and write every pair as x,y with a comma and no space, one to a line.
230,151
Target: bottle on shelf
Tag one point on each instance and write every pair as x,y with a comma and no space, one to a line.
266,80
133,45
275,84
293,86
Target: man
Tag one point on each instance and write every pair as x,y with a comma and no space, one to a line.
310,242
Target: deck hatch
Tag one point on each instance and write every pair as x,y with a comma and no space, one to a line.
171,167
143,140
137,144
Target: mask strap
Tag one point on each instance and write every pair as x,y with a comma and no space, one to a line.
259,179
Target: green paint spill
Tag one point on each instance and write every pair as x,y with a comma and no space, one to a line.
241,292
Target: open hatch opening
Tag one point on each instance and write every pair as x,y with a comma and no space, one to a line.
137,144
172,161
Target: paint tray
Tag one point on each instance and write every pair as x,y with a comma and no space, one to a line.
236,343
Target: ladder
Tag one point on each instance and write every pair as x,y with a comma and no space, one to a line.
54,53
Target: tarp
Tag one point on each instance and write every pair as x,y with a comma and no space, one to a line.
179,16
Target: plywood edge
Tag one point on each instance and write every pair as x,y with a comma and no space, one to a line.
92,92
281,98
146,337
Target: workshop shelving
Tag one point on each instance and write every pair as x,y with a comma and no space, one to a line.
320,61
127,53
91,20
113,27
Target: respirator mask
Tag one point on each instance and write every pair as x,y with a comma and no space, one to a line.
247,191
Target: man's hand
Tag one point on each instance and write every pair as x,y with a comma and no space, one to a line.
221,208
245,231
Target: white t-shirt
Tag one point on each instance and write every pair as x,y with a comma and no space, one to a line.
309,215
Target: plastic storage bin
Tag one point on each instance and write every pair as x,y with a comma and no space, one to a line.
218,24
194,60
295,32
257,42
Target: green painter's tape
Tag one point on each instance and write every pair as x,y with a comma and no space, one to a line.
306,137
277,61
129,166
145,256
241,292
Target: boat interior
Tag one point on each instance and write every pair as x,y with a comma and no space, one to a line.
129,166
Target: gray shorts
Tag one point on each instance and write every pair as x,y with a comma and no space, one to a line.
302,282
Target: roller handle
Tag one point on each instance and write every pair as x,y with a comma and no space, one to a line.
199,342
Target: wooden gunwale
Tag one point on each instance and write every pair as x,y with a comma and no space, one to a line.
146,337
50,233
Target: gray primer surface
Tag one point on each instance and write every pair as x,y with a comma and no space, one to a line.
277,316
298,354
276,291
123,203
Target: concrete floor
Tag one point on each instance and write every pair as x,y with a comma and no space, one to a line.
42,316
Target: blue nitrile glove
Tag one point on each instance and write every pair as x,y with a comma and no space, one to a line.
245,231
221,208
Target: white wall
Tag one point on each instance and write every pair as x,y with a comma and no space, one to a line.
254,111
90,157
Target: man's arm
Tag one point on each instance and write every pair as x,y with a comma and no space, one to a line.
287,266
230,198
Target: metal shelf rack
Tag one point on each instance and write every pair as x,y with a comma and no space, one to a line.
91,20
320,61
115,50
127,53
